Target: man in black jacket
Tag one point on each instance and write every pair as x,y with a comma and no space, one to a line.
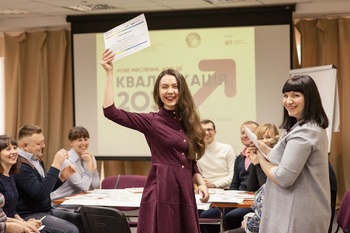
34,183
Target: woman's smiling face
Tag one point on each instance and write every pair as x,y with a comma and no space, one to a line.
9,155
294,103
168,91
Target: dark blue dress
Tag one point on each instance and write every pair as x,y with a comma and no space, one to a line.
9,190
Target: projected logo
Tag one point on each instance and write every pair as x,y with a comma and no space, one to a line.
193,40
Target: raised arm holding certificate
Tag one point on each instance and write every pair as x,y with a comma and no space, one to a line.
254,140
128,38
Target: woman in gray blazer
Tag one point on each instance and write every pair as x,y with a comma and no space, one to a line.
297,192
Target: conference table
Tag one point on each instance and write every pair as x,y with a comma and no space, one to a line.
222,199
131,198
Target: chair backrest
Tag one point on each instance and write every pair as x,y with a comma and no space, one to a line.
343,218
123,181
97,219
109,182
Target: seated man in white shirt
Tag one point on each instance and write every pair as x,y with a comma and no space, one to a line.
216,165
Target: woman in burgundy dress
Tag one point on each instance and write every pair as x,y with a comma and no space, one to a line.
176,140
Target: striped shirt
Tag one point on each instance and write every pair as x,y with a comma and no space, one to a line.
3,216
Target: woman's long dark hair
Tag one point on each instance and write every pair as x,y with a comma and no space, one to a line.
313,109
187,111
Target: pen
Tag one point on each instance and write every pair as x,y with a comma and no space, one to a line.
42,218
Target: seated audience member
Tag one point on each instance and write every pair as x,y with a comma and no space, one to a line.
269,134
86,176
234,217
216,165
34,183
9,165
12,225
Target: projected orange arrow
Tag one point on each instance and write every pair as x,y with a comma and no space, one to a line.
224,73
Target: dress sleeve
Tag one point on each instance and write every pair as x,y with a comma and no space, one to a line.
141,122
300,144
194,167
95,180
256,178
252,182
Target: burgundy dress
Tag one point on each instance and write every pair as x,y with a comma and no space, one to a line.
168,203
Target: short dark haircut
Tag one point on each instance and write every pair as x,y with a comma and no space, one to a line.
28,130
78,132
6,141
207,121
313,109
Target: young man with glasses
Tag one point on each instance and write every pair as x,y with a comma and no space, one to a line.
217,163
216,167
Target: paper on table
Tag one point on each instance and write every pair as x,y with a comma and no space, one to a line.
201,205
127,38
107,197
135,190
241,194
254,140
226,197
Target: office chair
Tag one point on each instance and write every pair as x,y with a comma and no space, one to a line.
343,218
121,182
97,219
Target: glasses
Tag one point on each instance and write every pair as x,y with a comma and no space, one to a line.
209,130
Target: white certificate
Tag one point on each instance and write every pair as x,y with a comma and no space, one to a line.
128,37
254,140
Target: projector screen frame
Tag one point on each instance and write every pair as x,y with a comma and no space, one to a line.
185,19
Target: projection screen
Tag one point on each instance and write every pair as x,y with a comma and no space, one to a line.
234,73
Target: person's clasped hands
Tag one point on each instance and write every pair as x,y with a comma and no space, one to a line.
33,224
251,154
19,226
88,158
